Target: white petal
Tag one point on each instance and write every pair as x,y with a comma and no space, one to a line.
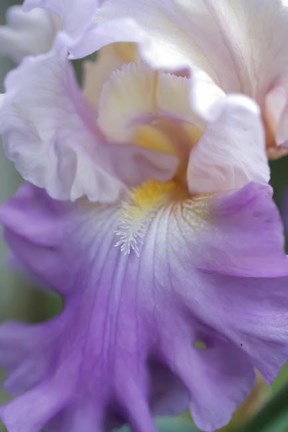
228,40
48,134
241,44
183,32
231,152
206,97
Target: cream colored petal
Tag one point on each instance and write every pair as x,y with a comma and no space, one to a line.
173,98
136,93
97,72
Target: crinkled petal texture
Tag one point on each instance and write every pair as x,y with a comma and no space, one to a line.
125,346
27,33
44,117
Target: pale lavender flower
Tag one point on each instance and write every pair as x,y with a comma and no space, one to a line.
240,45
152,217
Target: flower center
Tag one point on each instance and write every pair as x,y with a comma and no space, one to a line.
174,138
138,211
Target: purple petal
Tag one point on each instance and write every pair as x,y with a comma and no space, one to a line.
125,345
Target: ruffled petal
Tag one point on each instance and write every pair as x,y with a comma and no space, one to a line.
27,33
202,275
46,131
50,134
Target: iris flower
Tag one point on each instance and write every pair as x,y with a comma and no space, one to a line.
240,45
150,213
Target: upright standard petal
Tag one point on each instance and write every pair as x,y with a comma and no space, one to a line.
131,327
236,52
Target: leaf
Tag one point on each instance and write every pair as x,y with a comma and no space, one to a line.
175,424
167,424
273,417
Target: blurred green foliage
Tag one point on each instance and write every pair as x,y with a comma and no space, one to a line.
273,417
279,179
178,424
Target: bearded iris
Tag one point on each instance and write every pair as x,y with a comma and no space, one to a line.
150,214
236,52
